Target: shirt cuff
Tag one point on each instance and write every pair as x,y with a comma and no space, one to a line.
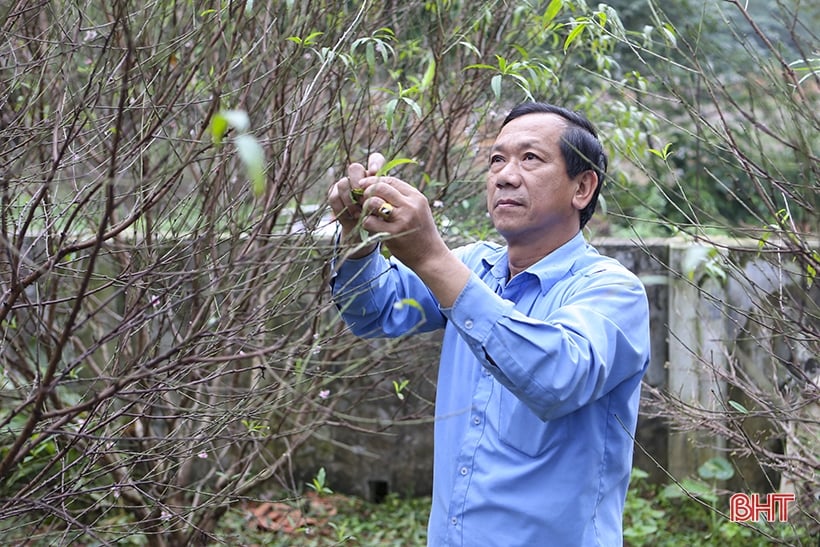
352,272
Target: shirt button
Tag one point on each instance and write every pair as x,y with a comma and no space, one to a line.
476,420
454,521
463,471
468,324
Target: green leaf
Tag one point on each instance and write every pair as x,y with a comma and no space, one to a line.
429,75
664,153
694,258
225,119
639,474
252,156
669,33
552,11
370,56
412,302
739,407
391,165
495,84
481,66
399,387
390,112
319,483
575,33
414,105
716,468
219,126
311,38
689,487
764,239
470,47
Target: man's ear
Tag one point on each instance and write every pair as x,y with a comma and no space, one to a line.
587,183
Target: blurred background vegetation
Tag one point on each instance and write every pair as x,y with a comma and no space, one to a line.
168,344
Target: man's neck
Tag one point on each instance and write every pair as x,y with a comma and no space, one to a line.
521,257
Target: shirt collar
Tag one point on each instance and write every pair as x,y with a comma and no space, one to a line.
548,270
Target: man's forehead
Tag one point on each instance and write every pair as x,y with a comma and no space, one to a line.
546,120
531,129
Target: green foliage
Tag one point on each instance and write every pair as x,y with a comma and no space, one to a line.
399,387
644,519
701,262
716,469
395,521
319,483
695,512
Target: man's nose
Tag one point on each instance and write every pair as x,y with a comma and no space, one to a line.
509,174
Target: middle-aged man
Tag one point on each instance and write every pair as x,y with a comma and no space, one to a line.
545,341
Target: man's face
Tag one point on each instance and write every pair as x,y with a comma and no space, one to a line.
529,195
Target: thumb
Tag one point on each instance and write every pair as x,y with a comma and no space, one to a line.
374,163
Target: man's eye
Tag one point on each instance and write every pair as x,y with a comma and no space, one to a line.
530,156
496,159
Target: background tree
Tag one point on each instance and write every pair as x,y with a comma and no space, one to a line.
734,169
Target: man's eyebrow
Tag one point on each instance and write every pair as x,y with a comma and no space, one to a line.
503,147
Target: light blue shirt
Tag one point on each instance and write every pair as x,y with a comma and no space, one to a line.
537,395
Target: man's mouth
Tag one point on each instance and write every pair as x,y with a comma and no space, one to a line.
506,202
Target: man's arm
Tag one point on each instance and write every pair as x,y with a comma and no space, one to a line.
565,352
380,297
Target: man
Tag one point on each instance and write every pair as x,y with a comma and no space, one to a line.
545,341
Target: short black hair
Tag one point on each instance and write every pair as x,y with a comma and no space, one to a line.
579,146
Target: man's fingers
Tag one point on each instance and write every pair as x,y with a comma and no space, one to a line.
385,211
382,185
355,172
345,206
374,163
378,207
386,188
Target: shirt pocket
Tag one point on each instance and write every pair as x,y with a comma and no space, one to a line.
522,430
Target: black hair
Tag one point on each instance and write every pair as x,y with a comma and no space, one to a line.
579,146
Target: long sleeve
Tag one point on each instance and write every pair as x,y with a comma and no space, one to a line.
381,297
